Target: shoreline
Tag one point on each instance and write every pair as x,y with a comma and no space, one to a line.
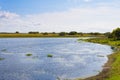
104,73
108,69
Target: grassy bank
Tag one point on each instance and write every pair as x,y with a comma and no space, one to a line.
111,70
27,35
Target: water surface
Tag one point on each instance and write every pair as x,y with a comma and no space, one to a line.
71,59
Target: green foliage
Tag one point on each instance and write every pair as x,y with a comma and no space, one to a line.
72,33
29,54
49,55
2,58
108,35
114,59
62,33
116,34
17,32
33,32
95,33
45,33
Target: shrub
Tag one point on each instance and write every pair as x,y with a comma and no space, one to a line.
62,33
72,33
116,34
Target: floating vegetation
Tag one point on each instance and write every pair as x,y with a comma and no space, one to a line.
2,58
49,55
29,54
3,50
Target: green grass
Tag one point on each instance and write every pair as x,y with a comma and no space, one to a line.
25,35
49,55
114,60
29,54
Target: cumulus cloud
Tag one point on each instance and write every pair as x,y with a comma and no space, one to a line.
86,19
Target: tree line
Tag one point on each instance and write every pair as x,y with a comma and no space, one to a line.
115,34
63,33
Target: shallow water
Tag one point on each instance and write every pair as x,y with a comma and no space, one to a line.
71,59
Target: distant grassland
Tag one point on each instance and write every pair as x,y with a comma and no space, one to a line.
26,35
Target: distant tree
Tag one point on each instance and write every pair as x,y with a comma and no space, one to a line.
33,32
94,33
116,33
72,33
108,34
45,33
62,33
80,33
97,33
17,32
53,33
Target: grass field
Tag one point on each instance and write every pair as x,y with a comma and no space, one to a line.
26,35
111,70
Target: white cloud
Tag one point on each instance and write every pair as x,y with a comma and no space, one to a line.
100,19
4,14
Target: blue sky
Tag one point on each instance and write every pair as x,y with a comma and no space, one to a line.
33,6
59,15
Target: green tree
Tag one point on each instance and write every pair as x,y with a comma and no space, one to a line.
116,34
108,35
62,33
45,33
72,33
33,32
17,32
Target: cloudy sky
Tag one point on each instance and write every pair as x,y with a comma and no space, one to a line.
59,15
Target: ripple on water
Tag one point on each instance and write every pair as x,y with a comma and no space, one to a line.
70,58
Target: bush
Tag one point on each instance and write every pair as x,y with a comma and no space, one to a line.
62,33
72,33
33,32
116,34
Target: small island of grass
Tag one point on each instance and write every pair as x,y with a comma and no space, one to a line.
2,59
29,54
50,55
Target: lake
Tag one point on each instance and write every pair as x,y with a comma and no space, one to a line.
69,59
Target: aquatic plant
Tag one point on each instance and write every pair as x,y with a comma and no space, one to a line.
49,55
2,58
29,54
